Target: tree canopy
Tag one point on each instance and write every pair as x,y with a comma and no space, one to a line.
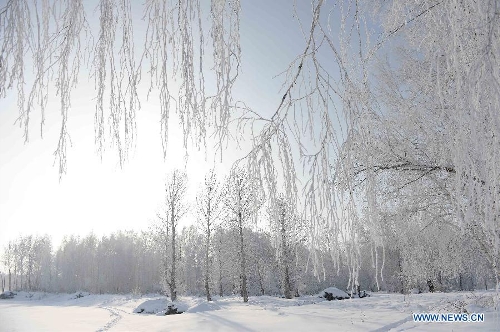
402,99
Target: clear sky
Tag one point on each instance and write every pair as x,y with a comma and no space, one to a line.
99,196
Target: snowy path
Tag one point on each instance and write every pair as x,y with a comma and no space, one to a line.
381,312
115,318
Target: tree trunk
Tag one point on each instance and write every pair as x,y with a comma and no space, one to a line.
430,284
15,275
261,281
165,262
207,287
10,280
29,278
401,275
173,290
207,262
244,291
21,273
287,290
221,288
219,253
284,254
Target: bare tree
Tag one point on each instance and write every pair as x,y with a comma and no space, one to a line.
241,203
446,84
208,204
175,209
8,260
282,223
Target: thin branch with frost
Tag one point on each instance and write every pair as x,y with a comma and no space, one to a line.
69,57
353,126
122,83
226,55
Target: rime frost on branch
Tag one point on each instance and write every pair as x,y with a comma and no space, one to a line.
52,33
395,125
120,89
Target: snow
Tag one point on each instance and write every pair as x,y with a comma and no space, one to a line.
159,306
151,306
335,292
380,312
202,307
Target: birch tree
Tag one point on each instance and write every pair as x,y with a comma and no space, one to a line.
341,113
434,140
175,209
241,204
209,207
282,223
8,261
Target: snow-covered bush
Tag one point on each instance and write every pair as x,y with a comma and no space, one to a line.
161,307
7,295
332,293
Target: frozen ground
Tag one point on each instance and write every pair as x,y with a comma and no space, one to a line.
380,312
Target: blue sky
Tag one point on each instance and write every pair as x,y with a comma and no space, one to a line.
99,196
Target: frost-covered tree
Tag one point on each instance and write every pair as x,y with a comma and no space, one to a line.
29,262
425,134
241,205
386,95
283,221
175,209
8,261
41,269
122,262
209,207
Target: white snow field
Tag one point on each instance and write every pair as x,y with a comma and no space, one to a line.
380,312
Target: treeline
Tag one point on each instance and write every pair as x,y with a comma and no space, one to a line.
29,263
245,243
130,262
120,263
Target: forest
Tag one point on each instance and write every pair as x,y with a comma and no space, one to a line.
270,249
379,169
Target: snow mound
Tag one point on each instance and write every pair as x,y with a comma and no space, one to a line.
7,295
205,306
332,293
151,306
161,307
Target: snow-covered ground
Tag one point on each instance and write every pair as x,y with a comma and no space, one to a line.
380,312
